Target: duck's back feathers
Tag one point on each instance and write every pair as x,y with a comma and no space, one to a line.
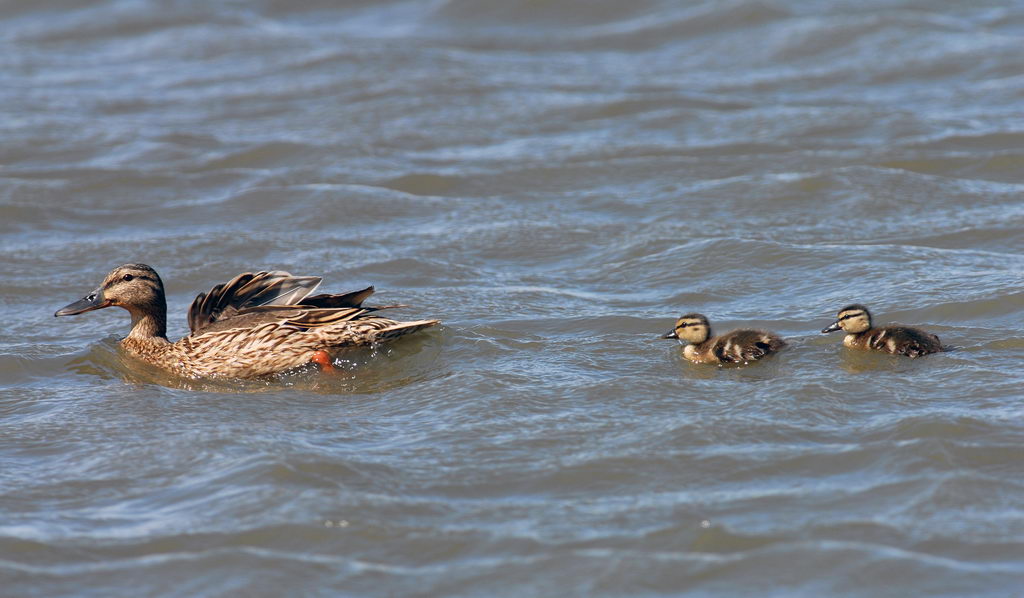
249,290
741,346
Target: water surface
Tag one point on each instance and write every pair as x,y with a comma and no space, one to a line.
556,181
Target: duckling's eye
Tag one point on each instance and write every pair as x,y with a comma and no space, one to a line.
127,277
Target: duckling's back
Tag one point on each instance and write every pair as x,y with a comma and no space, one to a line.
741,346
899,340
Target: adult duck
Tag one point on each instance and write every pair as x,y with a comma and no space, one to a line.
253,325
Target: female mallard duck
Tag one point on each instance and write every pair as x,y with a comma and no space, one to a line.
897,340
253,325
738,346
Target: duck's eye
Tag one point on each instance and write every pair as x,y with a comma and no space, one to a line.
127,277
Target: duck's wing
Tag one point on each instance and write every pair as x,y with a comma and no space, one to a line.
343,326
293,317
353,299
249,290
318,318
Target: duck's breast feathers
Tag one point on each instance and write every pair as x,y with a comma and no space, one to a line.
904,340
746,345
249,290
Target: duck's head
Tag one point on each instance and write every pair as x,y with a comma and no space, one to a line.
852,318
135,287
691,328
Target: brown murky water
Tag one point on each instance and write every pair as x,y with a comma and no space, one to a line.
556,181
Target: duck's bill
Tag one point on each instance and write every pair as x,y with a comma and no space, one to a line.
670,334
93,300
831,328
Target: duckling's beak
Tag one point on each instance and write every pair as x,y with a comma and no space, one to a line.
670,334
93,300
831,328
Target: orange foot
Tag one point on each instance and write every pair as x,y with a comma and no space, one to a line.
323,359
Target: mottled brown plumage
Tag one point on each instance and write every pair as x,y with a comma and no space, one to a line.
253,325
738,346
855,320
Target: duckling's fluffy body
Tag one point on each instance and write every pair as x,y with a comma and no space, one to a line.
894,339
738,346
253,325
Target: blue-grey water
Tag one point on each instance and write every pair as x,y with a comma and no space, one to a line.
556,181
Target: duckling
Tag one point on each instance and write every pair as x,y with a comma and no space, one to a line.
738,346
898,340
254,325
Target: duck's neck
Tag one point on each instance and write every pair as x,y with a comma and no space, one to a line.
694,351
704,344
149,324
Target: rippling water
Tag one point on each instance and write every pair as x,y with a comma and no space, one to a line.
556,181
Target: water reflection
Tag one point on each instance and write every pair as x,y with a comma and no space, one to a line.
357,370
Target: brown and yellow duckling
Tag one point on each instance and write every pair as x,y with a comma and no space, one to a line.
855,320
253,325
738,346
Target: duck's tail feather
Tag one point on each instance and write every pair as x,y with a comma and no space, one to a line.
402,329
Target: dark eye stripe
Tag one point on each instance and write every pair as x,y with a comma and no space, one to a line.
134,277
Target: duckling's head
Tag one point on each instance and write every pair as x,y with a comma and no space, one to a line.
852,318
135,287
691,328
